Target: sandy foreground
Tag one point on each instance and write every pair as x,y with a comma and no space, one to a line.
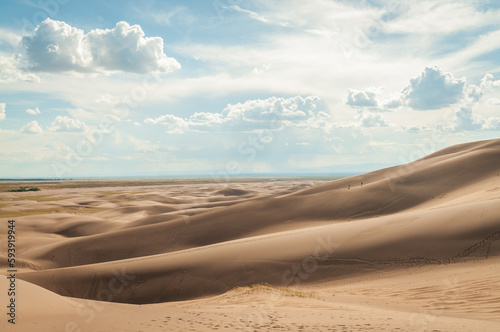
410,248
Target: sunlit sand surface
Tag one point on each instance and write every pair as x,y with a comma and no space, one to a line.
410,248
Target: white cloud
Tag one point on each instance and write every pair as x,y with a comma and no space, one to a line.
33,111
32,128
67,124
175,17
365,98
257,17
107,99
433,89
466,120
492,124
392,102
291,109
271,113
431,17
9,37
368,119
2,111
56,46
474,93
10,70
175,125
125,48
493,101
483,44
370,99
251,14
262,69
465,117
488,83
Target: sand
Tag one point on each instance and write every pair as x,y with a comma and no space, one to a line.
409,248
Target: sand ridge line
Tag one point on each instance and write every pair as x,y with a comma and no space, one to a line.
406,262
329,227
184,251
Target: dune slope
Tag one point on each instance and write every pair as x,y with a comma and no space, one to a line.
438,210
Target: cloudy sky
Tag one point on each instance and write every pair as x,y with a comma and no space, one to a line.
231,87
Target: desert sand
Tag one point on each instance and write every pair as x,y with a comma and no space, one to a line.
409,248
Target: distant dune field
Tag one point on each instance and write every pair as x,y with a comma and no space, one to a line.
410,248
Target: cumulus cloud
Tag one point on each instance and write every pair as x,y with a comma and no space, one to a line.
365,98
433,89
368,119
369,99
491,124
392,102
67,124
474,93
174,124
2,111
33,111
125,48
466,120
488,83
10,70
32,128
271,113
56,46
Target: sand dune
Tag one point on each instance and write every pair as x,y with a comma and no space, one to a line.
373,251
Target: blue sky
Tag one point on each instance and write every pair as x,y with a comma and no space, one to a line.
231,87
